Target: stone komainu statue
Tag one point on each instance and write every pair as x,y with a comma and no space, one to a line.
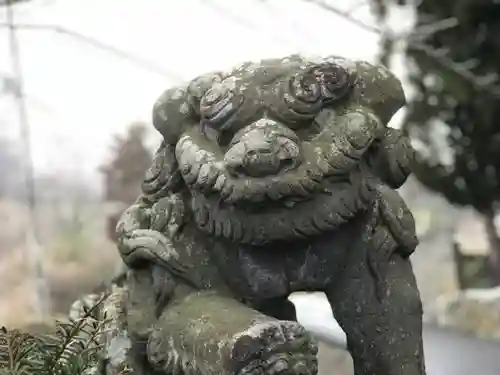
273,177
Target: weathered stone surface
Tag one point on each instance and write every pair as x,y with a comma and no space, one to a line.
274,177
249,342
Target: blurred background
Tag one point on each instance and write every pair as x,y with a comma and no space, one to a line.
78,80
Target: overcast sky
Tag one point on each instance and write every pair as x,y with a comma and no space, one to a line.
79,96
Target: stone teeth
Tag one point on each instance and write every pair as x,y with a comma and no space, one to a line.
219,183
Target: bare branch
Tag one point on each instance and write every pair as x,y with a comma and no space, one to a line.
344,14
425,31
488,83
471,64
480,83
420,33
357,5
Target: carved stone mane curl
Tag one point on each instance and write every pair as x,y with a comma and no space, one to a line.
306,219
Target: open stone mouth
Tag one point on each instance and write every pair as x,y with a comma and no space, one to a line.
330,153
279,221
206,174
272,202
324,191
297,204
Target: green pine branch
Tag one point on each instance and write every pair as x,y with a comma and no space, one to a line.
72,350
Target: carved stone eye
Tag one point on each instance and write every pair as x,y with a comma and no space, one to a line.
303,95
305,88
309,90
218,104
333,80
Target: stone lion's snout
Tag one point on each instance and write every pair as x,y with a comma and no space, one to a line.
263,148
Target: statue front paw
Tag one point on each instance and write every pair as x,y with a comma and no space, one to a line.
274,347
209,333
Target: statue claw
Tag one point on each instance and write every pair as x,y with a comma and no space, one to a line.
275,348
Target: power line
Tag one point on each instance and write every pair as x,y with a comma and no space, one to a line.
98,44
10,88
303,33
42,296
357,5
227,13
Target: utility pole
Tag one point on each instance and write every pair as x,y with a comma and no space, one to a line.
34,250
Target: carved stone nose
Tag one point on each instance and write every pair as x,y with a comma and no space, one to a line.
260,162
264,163
260,153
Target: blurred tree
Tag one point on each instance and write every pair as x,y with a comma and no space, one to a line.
453,115
380,9
125,172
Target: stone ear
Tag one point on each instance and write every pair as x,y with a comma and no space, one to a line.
173,113
199,86
376,87
393,158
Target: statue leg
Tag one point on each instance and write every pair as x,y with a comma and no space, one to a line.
146,298
204,332
381,316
